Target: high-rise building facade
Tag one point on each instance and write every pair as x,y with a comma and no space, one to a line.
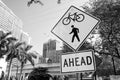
47,47
25,37
50,52
9,21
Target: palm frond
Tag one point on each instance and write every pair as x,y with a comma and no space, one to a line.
24,61
8,57
32,54
21,56
10,39
29,58
3,42
17,51
18,44
13,53
5,51
21,48
1,55
5,35
28,47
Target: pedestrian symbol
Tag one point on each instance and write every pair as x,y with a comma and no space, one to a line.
75,32
74,27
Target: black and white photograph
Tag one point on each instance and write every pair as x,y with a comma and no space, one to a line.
59,40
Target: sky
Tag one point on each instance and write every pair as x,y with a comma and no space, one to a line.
38,20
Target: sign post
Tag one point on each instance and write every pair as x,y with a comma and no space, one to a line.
73,29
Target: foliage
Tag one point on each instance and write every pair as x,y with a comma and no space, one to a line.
39,73
25,56
108,11
13,53
65,48
5,40
13,50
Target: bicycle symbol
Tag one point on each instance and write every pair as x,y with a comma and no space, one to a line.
74,17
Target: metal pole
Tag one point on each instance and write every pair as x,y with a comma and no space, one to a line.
77,76
113,65
81,76
95,75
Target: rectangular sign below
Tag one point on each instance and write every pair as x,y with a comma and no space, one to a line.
78,62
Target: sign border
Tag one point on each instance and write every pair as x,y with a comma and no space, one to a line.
87,34
90,50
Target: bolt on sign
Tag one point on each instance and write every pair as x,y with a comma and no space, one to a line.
78,62
74,27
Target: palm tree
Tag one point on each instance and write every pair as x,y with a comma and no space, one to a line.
25,56
5,40
13,53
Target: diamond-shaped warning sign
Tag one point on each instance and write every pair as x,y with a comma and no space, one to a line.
74,27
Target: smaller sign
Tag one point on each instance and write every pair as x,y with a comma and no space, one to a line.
78,62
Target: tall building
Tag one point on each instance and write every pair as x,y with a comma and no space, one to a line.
47,47
50,51
25,37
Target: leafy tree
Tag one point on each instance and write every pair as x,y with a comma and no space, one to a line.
39,73
66,48
108,11
25,56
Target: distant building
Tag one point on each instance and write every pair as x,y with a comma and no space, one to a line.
25,37
50,52
47,47
41,60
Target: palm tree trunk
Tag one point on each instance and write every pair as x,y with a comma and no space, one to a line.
21,71
9,69
17,72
